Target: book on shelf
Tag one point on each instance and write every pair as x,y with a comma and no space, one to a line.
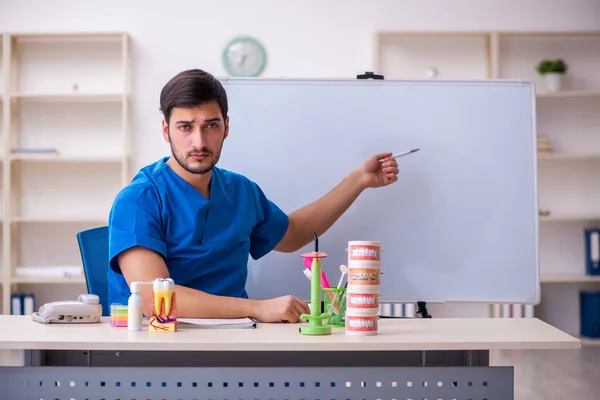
50,271
592,251
513,311
22,303
543,145
589,313
39,150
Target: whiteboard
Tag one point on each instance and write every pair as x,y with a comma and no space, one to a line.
461,222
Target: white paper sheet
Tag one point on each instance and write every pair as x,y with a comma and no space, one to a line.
217,323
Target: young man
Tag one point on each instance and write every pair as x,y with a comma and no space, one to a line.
183,217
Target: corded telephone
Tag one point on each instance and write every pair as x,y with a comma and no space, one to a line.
87,309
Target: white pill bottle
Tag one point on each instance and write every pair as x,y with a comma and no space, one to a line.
135,308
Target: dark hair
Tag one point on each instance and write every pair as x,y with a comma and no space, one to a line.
191,88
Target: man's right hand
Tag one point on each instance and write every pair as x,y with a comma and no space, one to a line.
285,308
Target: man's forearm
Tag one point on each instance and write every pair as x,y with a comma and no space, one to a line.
320,215
140,264
192,303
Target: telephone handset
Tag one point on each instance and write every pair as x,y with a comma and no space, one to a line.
87,309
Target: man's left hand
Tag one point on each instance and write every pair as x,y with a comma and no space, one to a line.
376,174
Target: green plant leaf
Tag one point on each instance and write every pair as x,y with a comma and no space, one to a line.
547,66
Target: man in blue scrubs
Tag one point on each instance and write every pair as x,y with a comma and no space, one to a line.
185,218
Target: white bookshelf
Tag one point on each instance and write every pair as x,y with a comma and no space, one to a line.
568,278
568,185
409,55
4,118
570,118
65,154
557,156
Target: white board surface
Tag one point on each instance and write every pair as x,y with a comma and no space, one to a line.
461,222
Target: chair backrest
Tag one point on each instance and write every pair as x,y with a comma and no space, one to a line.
93,246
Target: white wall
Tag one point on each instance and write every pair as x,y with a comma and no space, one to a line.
336,41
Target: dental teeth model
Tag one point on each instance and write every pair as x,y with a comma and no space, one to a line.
164,316
163,290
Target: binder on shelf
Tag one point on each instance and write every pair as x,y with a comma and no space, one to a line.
386,309
529,311
16,304
517,311
28,301
410,310
592,251
589,305
22,304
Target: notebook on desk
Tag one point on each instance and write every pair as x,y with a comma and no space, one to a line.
218,323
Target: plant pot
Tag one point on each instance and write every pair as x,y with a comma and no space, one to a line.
554,81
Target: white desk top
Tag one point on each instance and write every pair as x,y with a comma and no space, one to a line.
21,333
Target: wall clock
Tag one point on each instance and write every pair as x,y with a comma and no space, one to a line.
244,56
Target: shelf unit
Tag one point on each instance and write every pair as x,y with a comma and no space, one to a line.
4,127
65,155
570,118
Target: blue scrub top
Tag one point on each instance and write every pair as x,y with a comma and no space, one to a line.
205,243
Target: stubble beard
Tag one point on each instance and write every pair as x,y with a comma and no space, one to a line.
196,170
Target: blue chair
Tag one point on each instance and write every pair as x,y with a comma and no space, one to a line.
93,246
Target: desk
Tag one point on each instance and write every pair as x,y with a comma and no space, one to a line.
409,359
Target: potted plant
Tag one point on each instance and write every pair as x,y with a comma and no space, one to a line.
553,72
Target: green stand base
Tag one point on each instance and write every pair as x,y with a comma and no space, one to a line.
315,325
315,330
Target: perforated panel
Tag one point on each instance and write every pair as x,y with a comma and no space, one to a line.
400,383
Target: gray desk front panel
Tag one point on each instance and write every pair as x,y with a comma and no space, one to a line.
349,383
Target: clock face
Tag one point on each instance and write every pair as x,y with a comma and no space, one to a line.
244,56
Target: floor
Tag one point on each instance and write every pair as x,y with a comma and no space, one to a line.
554,374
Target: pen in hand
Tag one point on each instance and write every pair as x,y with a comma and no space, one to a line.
404,153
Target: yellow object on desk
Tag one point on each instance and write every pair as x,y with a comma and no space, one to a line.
164,309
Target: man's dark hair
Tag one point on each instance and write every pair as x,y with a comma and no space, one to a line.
190,89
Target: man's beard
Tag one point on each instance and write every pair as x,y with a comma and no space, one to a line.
196,170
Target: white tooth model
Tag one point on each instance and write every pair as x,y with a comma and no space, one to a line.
164,317
163,290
